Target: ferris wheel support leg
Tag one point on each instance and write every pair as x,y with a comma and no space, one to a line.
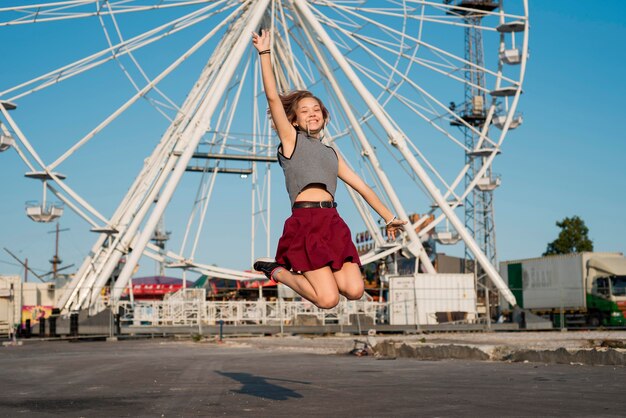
397,139
193,131
100,264
132,211
105,260
73,290
415,245
135,205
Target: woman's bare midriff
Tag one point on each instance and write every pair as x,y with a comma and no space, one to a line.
314,193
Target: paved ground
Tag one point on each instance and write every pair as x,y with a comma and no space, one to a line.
157,378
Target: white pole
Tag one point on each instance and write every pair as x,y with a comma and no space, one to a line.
254,175
268,177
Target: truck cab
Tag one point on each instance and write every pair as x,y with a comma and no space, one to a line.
606,296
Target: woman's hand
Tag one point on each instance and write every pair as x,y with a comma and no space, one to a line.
261,42
393,226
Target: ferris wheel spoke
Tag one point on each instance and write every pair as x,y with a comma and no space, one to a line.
284,56
377,43
154,103
347,21
41,5
16,146
74,207
59,11
366,170
200,200
53,176
117,50
209,186
420,89
431,65
412,145
415,108
206,195
439,19
38,12
382,74
284,43
463,63
137,96
402,162
304,67
344,36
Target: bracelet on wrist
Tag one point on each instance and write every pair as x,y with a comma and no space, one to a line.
392,219
267,51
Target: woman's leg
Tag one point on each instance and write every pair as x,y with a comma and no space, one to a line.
319,286
349,281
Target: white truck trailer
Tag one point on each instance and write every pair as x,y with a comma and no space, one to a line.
584,288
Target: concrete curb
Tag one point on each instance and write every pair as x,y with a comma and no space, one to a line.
426,351
392,349
592,356
587,347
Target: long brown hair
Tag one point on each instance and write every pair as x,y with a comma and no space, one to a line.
290,104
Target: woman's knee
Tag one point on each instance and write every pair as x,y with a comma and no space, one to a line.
327,301
354,290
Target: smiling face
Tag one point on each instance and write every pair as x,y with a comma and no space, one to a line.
309,115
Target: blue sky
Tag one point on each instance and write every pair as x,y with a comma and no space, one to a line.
566,159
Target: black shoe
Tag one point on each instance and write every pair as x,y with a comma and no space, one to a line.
266,266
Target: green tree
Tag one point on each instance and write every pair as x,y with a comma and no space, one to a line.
573,238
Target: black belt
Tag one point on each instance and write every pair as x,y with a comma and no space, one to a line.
308,205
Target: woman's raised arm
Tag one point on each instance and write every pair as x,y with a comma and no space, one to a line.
285,130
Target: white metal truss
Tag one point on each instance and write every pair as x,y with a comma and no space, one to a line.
381,72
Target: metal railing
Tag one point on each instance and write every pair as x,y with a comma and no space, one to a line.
175,311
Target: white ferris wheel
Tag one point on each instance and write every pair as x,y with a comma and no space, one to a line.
152,96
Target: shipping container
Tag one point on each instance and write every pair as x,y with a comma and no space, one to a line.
429,299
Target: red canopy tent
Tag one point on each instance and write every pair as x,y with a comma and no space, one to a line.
156,287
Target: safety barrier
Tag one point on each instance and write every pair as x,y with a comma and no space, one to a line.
181,311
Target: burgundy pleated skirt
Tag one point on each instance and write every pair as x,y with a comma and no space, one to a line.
313,238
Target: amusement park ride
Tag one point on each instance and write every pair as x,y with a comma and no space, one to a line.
387,70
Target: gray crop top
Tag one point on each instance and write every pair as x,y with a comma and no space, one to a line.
310,162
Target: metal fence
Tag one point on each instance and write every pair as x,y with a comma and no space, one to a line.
189,307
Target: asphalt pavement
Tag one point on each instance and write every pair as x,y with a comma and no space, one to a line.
166,378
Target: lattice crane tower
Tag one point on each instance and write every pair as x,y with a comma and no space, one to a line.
479,203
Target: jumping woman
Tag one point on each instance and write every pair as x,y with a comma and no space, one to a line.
316,256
